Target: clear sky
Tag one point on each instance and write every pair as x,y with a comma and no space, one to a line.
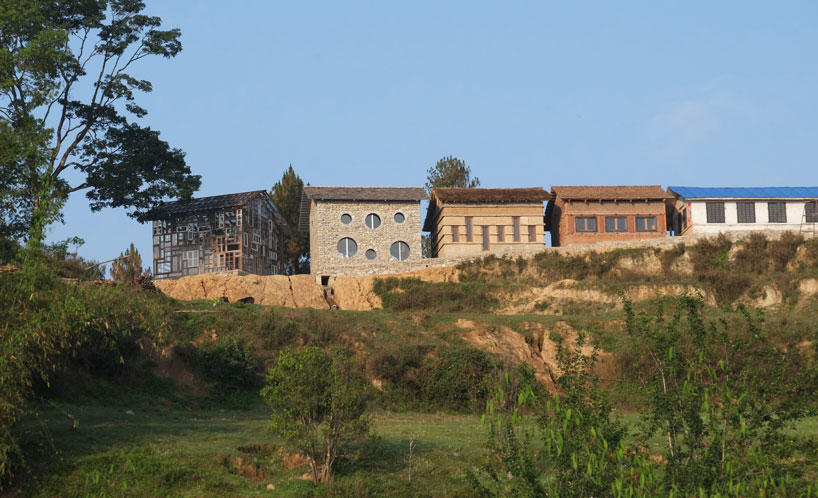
527,93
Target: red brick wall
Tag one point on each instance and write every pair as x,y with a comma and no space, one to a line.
563,233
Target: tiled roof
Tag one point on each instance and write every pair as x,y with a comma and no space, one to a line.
491,195
610,192
212,202
746,192
366,193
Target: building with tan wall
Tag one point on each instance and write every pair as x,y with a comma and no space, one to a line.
474,221
589,214
362,230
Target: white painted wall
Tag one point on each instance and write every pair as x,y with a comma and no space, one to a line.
698,217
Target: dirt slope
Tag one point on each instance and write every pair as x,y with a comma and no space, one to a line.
355,293
297,291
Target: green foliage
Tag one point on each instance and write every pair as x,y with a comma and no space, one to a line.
46,322
450,172
227,363
461,379
319,404
410,294
51,50
710,253
286,195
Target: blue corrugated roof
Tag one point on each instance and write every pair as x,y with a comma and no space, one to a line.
746,192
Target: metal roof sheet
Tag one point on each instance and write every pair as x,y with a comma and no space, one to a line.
746,192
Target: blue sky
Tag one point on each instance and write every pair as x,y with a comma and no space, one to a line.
527,93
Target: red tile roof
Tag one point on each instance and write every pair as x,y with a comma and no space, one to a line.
610,192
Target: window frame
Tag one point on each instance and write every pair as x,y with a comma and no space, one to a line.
516,224
772,215
577,229
532,233
469,229
347,255
455,233
811,212
395,217
647,219
741,217
373,216
500,235
716,209
348,216
485,243
397,243
615,220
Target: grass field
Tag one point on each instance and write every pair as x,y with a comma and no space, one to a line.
97,450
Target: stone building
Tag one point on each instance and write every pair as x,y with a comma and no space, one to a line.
590,214
240,233
475,221
362,230
711,210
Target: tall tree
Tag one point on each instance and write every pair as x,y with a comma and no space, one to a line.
450,172
286,194
67,99
447,172
127,268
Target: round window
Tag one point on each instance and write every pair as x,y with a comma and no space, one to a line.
346,219
370,254
373,220
399,250
347,247
399,218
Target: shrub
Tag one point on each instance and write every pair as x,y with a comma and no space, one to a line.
669,256
783,250
752,257
319,404
412,294
228,362
710,253
460,379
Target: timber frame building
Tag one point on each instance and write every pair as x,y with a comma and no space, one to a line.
241,233
591,214
466,222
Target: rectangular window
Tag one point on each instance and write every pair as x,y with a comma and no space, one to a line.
646,223
516,228
532,233
616,224
585,224
746,212
455,234
485,238
811,212
500,234
715,212
777,211
468,229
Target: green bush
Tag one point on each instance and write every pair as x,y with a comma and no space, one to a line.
227,363
752,257
412,294
783,250
710,253
460,379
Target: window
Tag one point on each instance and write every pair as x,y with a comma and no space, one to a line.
373,221
585,224
715,212
646,223
532,233
347,247
616,224
746,212
811,212
468,229
485,238
399,218
516,222
777,211
455,235
399,251
346,219
370,254
500,234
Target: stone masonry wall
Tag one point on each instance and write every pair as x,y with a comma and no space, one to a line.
327,229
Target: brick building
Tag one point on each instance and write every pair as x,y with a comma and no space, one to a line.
589,214
475,221
241,233
362,230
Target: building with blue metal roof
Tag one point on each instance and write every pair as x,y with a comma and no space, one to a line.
712,210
